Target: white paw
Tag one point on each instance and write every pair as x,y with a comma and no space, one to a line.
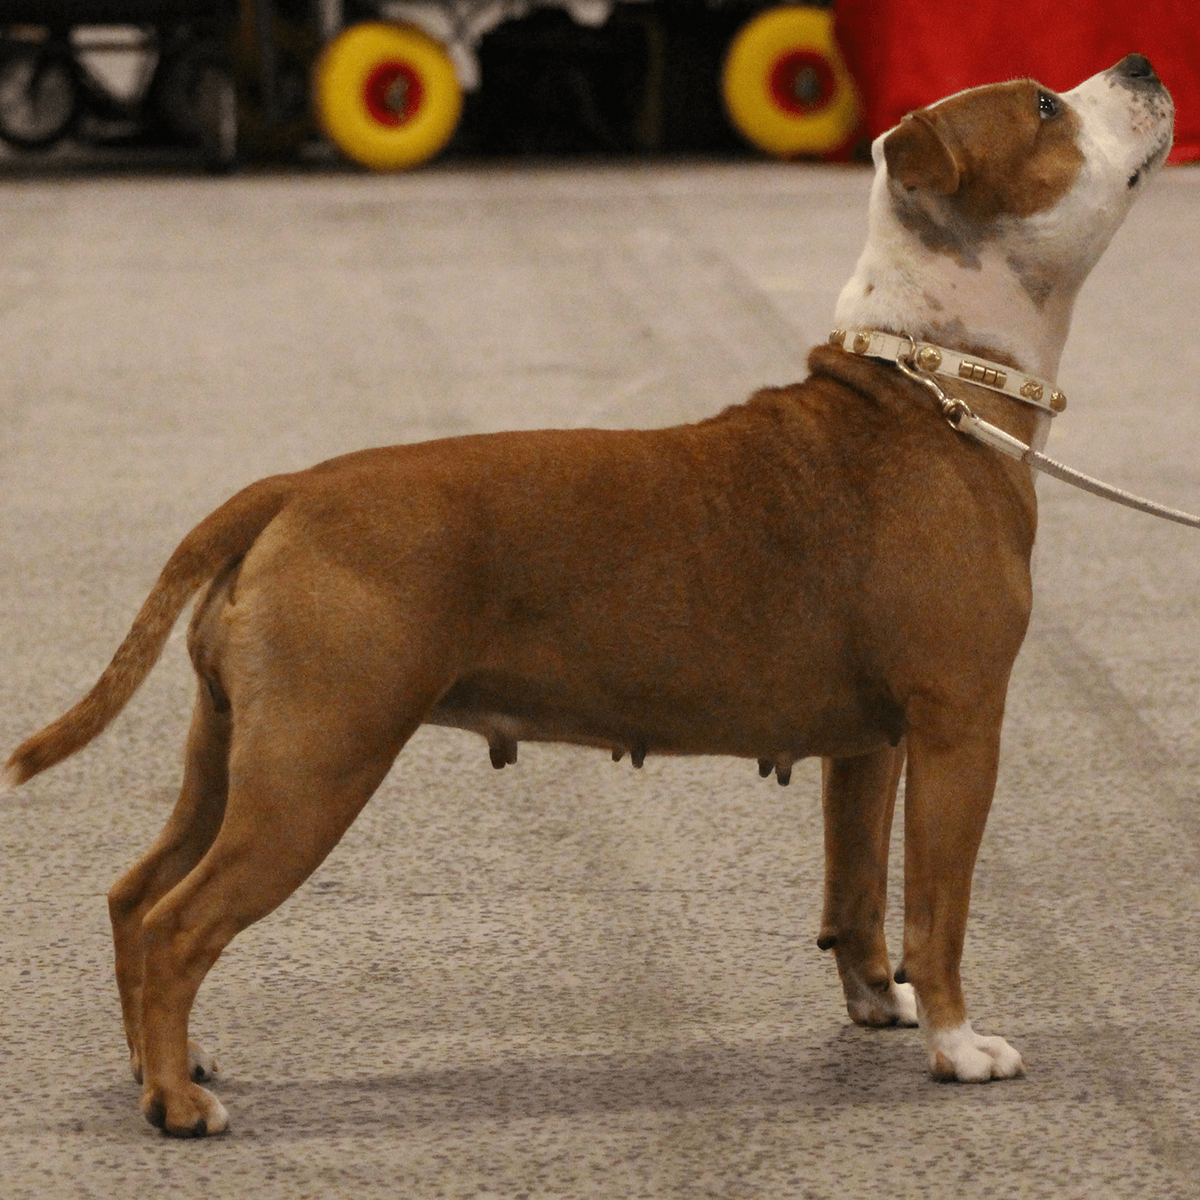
881,1004
962,1054
906,1004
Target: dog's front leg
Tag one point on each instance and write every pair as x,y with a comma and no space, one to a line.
947,796
859,796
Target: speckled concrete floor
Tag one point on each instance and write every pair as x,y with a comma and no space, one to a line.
568,978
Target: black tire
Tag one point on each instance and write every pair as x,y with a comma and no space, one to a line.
195,97
39,95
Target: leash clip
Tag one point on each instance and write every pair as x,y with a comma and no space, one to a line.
958,415
955,411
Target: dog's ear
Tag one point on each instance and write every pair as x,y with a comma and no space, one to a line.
918,157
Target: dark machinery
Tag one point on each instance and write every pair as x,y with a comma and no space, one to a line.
386,78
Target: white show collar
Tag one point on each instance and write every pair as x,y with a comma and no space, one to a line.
929,359
938,360
922,361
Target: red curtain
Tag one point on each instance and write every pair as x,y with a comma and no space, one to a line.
909,53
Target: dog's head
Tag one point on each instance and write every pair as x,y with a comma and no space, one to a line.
991,207
982,165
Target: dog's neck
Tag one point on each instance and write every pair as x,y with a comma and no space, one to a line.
978,301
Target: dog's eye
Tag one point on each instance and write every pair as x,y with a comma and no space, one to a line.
1048,105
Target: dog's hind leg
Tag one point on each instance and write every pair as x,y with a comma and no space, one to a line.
859,796
300,771
189,832
949,789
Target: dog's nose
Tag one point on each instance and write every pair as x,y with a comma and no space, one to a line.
1136,68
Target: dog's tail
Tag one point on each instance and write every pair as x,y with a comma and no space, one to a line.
224,534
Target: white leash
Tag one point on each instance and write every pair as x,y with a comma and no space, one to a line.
922,361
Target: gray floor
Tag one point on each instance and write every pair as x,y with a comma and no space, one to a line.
569,978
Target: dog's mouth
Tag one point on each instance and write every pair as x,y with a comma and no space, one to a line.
1151,162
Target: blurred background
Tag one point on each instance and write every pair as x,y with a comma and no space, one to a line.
391,84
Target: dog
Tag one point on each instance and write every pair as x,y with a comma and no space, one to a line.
828,569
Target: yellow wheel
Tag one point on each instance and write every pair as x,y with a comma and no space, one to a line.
786,85
386,95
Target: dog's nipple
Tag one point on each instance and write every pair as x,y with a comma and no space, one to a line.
781,766
502,750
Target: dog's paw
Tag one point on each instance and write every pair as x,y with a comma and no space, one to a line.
965,1056
880,1003
201,1065
188,1113
906,1005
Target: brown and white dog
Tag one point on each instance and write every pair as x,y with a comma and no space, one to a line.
828,569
